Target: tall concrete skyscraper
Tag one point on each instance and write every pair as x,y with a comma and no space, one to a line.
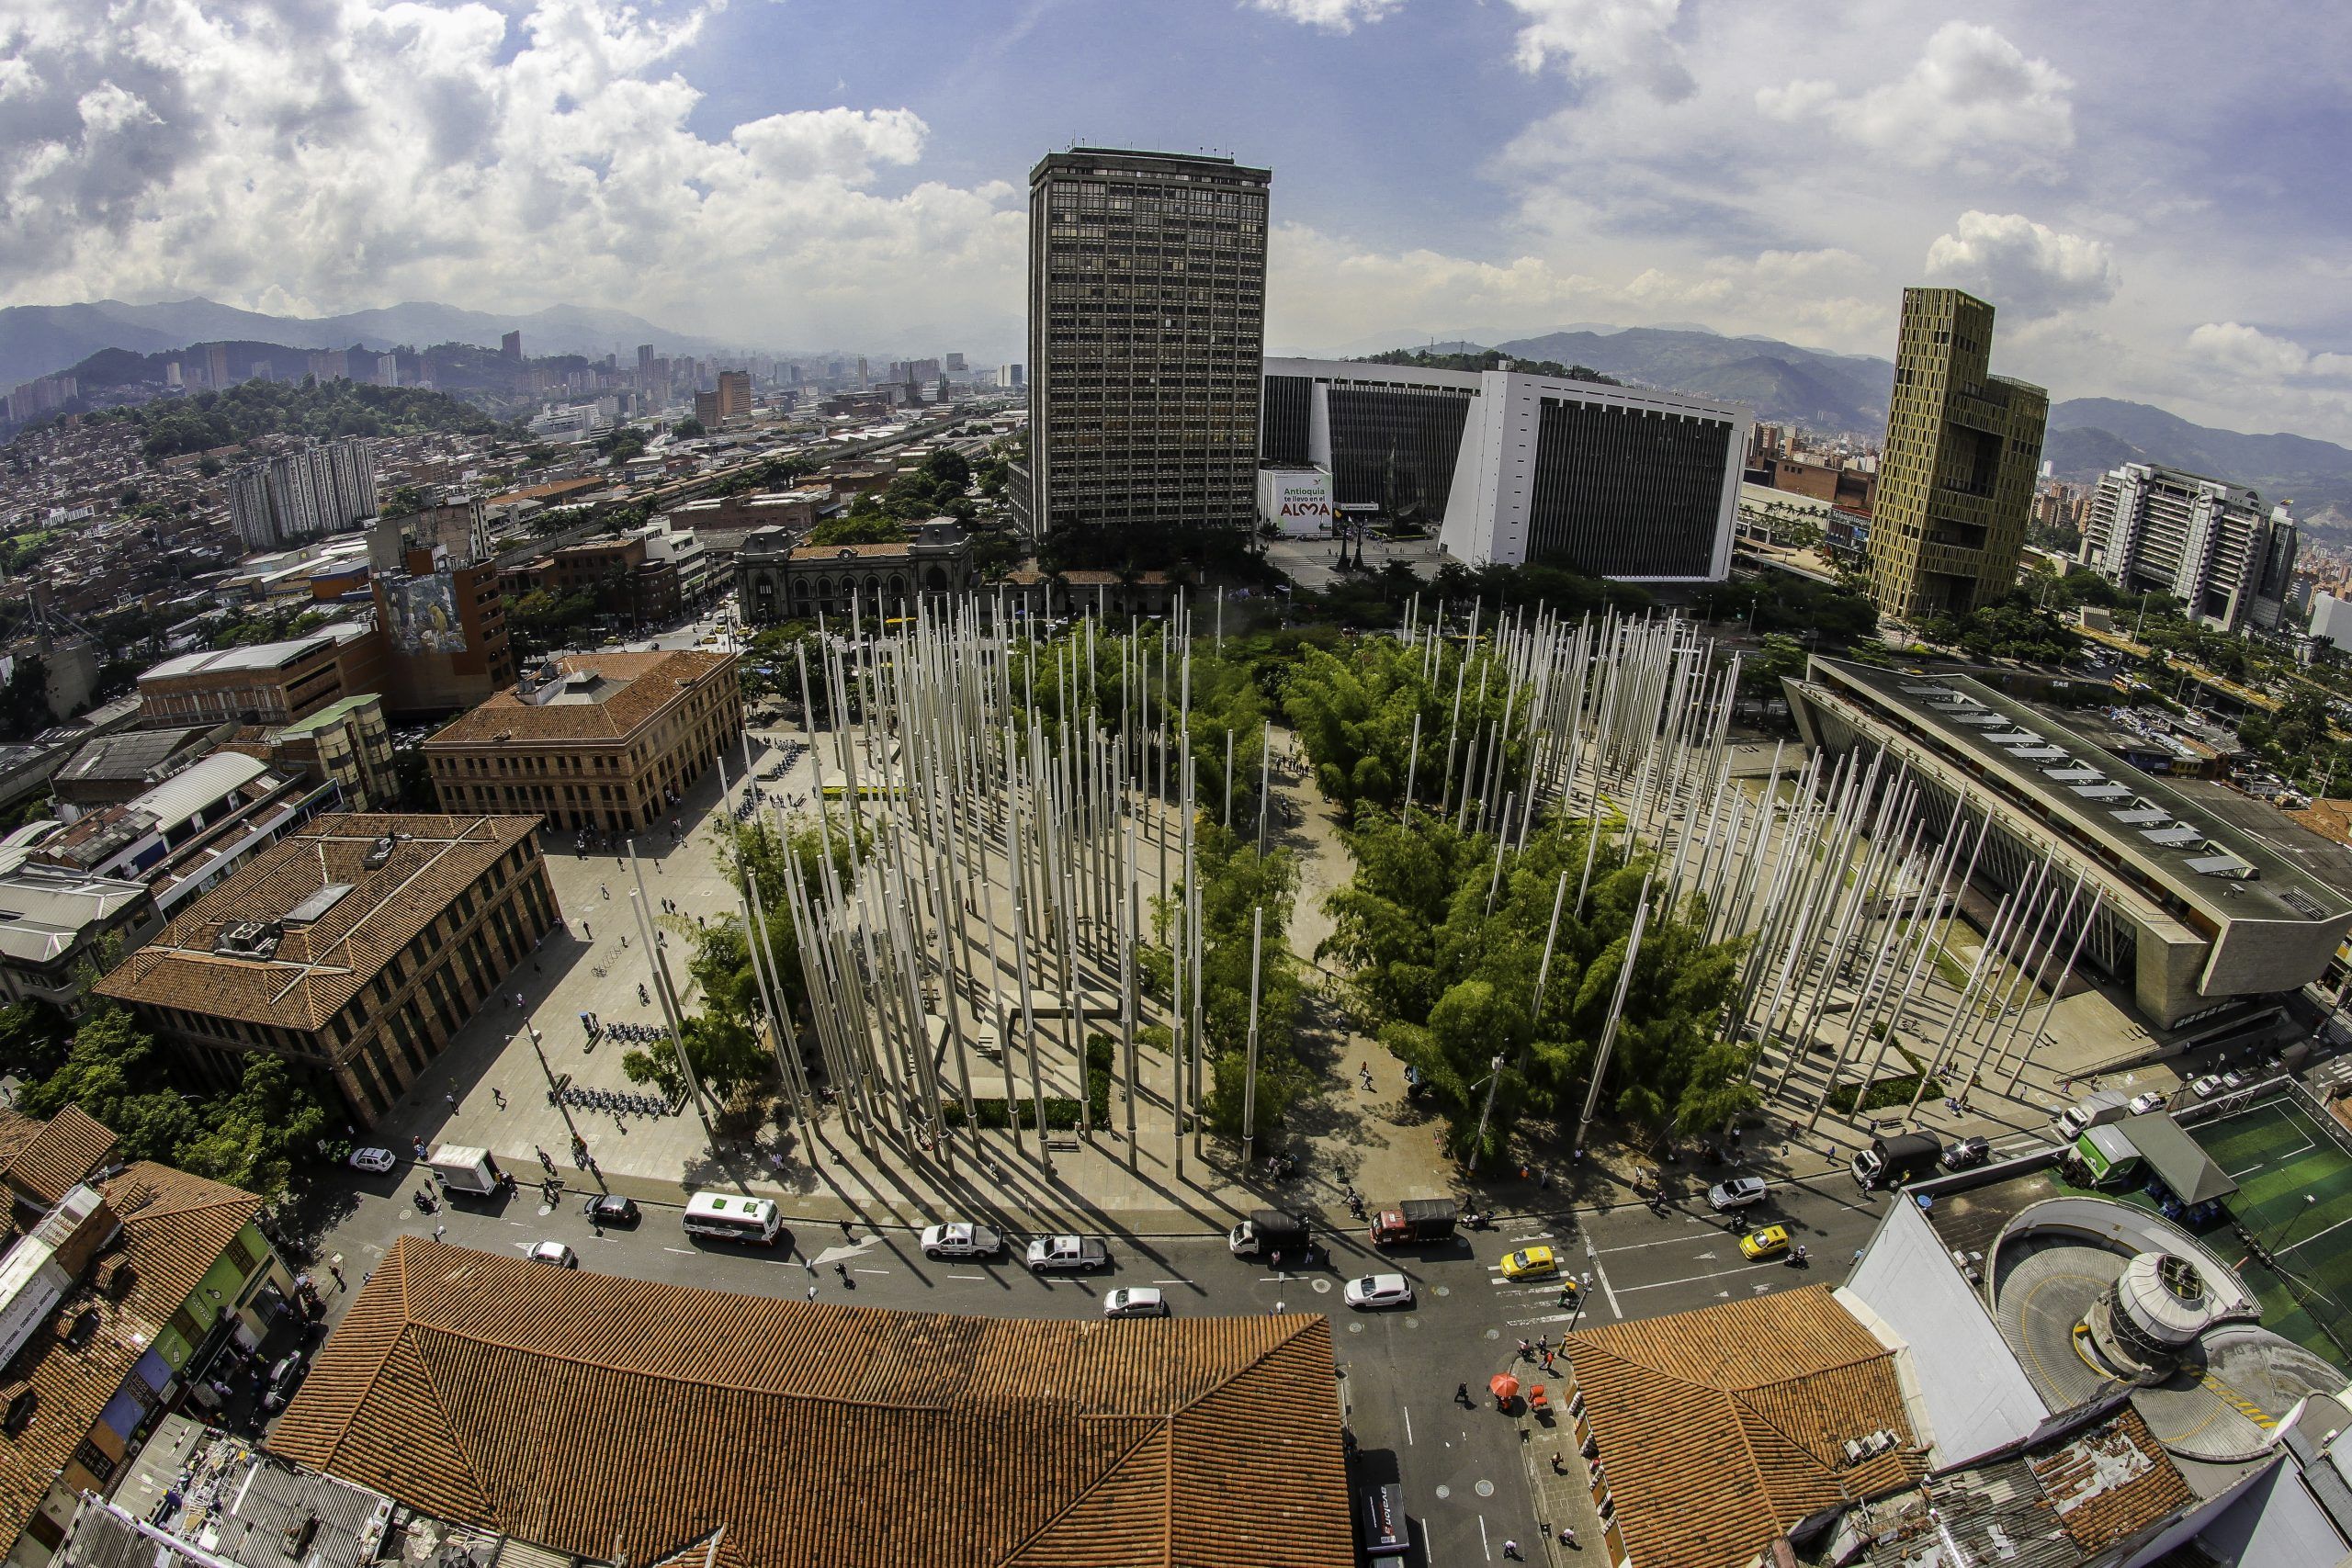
1147,328
1956,479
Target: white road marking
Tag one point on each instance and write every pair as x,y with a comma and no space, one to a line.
1171,1281
1637,1246
1686,1280
681,1251
951,1275
1408,1425
871,1270
1601,1275
1485,1548
2313,1238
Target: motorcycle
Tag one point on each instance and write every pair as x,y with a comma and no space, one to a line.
1799,1259
1479,1222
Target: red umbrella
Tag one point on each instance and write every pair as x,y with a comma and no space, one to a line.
1504,1387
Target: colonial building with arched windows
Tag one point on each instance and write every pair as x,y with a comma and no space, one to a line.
779,578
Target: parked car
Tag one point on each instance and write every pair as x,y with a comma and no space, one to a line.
554,1252
1965,1153
2206,1088
1530,1263
2141,1104
2232,1079
1064,1254
376,1160
612,1209
1739,1192
1374,1291
1135,1301
1769,1242
960,1239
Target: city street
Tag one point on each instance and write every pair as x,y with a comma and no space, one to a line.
1469,1476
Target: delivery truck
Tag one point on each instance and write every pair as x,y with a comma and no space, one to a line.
1891,1162
1267,1232
470,1171
1415,1219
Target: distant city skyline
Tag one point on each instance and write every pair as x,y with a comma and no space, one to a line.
808,175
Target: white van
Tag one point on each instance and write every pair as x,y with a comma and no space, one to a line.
732,1217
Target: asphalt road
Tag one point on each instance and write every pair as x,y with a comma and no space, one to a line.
1466,1472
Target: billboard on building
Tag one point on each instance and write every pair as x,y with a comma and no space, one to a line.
425,613
1295,501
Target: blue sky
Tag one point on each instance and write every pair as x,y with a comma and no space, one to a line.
2155,196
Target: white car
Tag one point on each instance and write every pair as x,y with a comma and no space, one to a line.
554,1252
960,1239
2143,1103
2206,1087
1135,1301
1739,1192
1066,1253
1376,1291
376,1160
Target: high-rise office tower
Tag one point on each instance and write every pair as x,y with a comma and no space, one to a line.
2212,545
1146,324
510,345
734,394
1956,479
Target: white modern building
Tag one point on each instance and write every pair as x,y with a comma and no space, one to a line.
2210,545
2332,619
572,422
1513,468
328,487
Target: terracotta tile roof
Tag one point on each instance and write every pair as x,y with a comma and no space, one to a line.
48,1159
320,967
1720,1428
594,1415
174,1228
2331,820
652,680
2110,1482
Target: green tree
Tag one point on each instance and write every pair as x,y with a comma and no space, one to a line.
859,529
34,1037
688,428
24,701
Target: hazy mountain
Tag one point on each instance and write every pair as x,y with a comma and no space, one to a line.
1828,392
2089,435
39,340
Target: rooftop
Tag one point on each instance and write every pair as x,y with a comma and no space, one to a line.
599,1415
45,1160
2171,837
46,909
1712,1449
222,1496
334,713
299,976
131,756
256,655
632,689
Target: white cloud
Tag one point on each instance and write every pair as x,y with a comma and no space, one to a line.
348,153
1629,39
1971,98
2251,352
2025,269
1331,16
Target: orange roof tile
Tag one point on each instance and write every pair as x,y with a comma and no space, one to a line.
320,967
57,1155
653,681
174,1228
1720,1428
593,1415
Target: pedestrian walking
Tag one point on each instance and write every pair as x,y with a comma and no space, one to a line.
452,1098
440,1231
605,891
1510,1551
848,1234
1461,1395
1569,1536
499,1095
337,1273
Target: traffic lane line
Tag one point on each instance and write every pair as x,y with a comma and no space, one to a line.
1692,1279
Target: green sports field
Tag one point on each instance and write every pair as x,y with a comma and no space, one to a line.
2295,1197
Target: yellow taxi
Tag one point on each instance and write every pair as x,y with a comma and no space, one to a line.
1769,1242
1530,1263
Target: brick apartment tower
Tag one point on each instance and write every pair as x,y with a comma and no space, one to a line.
1147,329
1956,479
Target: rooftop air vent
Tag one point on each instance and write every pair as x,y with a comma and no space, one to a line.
246,939
379,852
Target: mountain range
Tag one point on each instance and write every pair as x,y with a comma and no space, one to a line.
41,340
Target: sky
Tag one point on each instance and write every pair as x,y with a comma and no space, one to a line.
2154,196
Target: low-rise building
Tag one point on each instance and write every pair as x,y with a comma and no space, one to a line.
58,922
114,770
187,832
2189,913
606,742
116,1301
348,745
470,1385
358,948
779,578
620,574
270,683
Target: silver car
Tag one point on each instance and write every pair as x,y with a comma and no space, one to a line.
1373,1291
1739,1192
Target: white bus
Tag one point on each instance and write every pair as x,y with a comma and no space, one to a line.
734,1218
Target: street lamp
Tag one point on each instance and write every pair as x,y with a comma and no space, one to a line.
1493,1080
2311,1201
